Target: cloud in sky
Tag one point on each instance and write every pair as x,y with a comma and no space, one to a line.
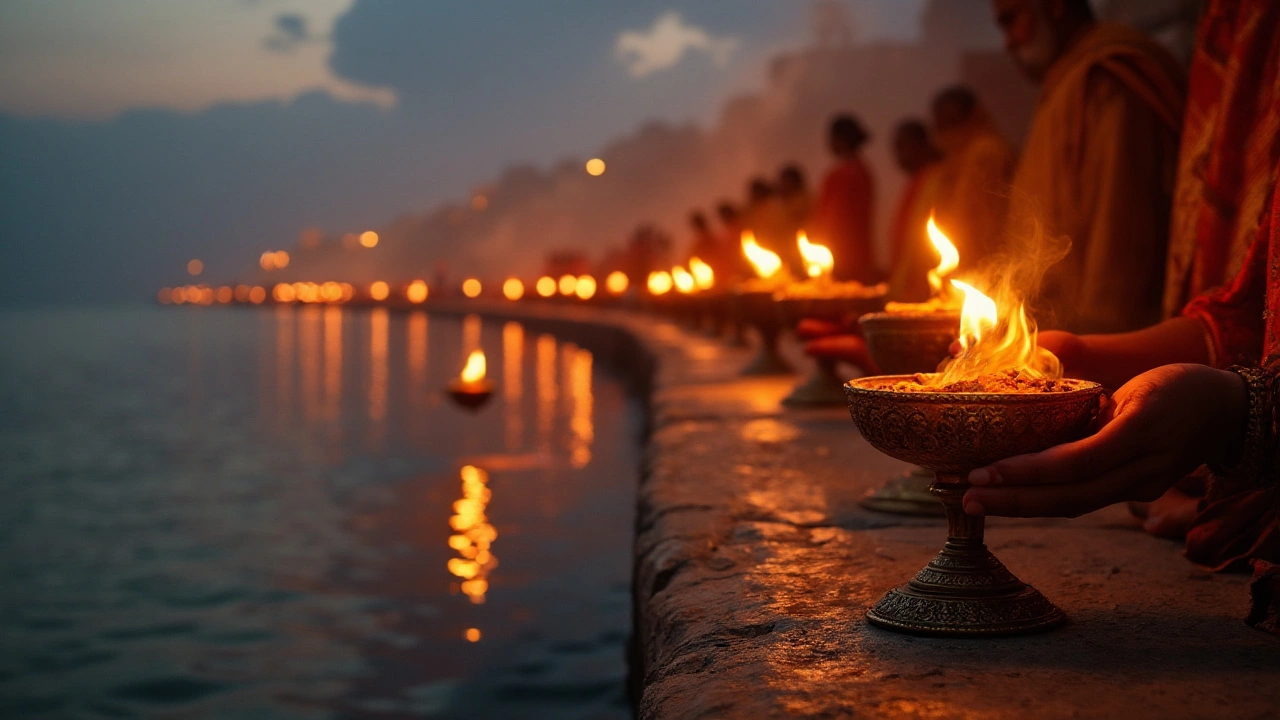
665,43
95,60
290,30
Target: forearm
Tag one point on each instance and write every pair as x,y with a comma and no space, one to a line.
1115,359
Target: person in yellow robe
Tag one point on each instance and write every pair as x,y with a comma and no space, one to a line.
1098,164
973,182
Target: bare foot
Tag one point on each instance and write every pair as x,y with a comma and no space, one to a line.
1168,516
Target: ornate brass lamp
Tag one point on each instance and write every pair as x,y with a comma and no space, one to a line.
903,343
965,591
824,387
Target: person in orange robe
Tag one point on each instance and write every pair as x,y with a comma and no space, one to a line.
1203,387
911,255
1098,163
973,187
843,217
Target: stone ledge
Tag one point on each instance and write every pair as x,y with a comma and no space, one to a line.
754,567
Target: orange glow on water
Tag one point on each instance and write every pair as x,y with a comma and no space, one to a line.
379,291
471,287
416,292
585,288
473,537
616,283
513,289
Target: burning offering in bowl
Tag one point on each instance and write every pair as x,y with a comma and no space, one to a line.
1002,396
472,389
914,338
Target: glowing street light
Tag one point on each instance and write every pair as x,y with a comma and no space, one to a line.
595,167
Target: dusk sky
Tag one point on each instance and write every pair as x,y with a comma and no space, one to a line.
137,134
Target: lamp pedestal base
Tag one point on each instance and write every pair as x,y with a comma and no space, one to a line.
964,591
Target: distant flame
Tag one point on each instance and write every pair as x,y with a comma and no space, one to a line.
949,256
766,262
683,280
818,260
659,282
703,275
617,282
475,368
996,336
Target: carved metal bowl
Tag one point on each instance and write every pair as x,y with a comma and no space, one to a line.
904,343
824,387
965,591
957,432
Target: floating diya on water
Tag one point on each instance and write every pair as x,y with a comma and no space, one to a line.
753,305
1002,396
909,338
822,298
471,388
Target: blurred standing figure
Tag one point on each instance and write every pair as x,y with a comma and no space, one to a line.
766,218
797,208
731,229
911,255
706,246
973,190
1100,159
843,218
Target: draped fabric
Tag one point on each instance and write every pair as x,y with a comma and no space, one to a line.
973,192
843,220
1237,211
1098,167
1228,153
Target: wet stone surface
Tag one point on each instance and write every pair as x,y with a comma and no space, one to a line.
755,566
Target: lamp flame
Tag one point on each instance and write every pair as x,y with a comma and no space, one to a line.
818,260
996,336
474,370
766,262
660,282
703,275
949,257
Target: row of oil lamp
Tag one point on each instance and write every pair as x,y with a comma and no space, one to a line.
573,287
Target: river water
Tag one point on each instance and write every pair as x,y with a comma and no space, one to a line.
276,512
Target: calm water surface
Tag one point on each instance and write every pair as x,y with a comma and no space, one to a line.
277,513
